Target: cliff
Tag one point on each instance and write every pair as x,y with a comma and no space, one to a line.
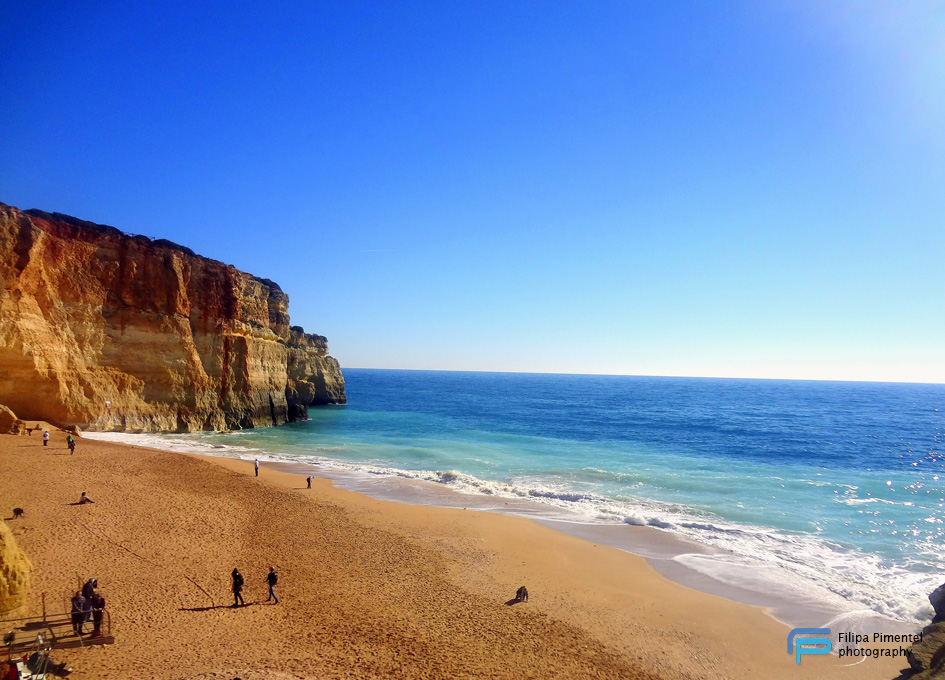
111,331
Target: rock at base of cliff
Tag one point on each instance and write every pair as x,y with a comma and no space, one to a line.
927,658
15,571
9,423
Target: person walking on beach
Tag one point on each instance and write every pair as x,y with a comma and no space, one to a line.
237,588
256,464
45,437
308,482
70,442
272,579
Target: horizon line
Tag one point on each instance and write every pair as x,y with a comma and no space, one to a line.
642,375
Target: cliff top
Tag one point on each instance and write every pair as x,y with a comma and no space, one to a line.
106,229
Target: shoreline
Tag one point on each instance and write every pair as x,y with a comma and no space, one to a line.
682,559
371,588
667,553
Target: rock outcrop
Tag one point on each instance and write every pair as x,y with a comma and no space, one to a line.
927,658
15,571
9,423
937,600
110,331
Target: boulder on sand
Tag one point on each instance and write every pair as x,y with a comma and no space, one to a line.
927,658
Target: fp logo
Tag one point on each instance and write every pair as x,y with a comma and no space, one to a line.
794,646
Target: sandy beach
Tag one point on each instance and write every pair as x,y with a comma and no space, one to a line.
368,589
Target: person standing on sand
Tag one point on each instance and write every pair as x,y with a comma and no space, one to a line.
70,442
272,579
88,594
308,482
237,588
45,437
256,464
98,612
78,606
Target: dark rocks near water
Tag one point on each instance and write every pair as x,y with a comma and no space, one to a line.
927,658
937,599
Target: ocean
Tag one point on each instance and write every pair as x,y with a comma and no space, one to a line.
827,496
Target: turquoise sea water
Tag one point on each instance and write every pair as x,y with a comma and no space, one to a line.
821,490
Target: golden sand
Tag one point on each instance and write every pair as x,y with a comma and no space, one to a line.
368,589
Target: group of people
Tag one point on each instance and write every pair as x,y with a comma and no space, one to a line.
70,440
88,604
272,578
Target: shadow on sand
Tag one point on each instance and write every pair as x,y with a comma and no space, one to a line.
216,606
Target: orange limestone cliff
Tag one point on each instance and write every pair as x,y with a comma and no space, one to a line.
110,331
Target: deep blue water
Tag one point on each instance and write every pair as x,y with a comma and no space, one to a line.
830,490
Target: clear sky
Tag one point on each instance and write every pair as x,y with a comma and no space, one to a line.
743,189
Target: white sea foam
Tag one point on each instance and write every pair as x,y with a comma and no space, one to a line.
189,444
796,566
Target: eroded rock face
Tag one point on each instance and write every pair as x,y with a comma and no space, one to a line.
15,571
115,332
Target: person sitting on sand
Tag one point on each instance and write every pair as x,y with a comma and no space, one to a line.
237,588
13,673
83,499
40,664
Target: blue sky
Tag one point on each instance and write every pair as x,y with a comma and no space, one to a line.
742,189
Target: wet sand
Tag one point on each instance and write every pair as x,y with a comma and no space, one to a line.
368,588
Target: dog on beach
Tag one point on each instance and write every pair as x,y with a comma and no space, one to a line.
522,594
17,513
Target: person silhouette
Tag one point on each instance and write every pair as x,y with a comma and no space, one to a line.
272,579
237,588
